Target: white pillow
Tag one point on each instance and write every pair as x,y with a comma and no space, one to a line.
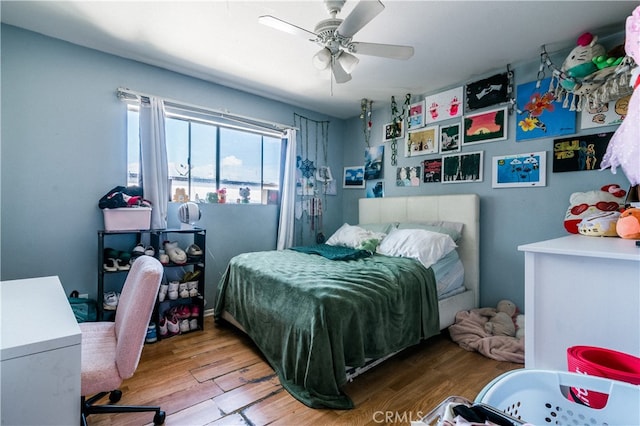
353,236
425,246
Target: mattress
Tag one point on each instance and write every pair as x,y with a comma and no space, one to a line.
449,275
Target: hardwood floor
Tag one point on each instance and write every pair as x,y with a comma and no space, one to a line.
218,377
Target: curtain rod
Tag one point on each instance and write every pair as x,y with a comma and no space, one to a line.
128,94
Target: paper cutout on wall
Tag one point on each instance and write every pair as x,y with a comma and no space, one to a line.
444,105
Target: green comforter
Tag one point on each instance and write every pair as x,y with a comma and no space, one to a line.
312,316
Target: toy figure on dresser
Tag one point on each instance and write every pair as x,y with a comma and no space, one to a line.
628,225
584,205
624,147
245,195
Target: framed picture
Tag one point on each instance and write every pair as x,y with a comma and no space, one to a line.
520,170
353,177
487,126
578,153
393,131
487,92
450,138
432,170
375,189
422,141
416,115
463,167
373,162
444,105
541,116
607,114
408,176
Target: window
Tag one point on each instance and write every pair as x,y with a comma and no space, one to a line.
205,155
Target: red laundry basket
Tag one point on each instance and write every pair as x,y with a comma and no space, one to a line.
601,362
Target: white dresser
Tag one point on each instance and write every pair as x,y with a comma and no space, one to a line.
580,290
40,351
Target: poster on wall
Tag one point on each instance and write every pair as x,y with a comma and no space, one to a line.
540,116
450,138
422,141
432,170
461,168
519,170
373,162
408,176
579,153
375,189
486,126
487,92
416,115
608,114
443,106
353,177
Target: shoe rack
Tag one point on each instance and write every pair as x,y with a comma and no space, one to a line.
193,303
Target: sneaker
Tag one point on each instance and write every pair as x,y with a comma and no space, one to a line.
123,262
173,290
175,253
194,251
110,301
149,251
193,324
109,257
183,312
152,335
162,293
172,326
162,326
195,311
184,325
163,257
184,290
138,250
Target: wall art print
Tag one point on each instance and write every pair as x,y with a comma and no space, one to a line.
486,126
353,177
608,114
578,153
462,168
422,141
393,130
519,170
450,138
444,105
373,162
540,115
416,115
432,170
408,176
375,189
487,92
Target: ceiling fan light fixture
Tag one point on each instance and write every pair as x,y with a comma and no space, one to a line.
348,61
322,59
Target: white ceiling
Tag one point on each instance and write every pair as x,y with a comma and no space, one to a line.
222,41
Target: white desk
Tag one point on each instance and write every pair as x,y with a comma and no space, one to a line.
40,352
580,290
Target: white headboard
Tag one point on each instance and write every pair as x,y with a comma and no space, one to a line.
463,208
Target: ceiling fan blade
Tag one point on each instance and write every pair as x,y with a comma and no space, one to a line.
279,24
339,72
360,16
392,51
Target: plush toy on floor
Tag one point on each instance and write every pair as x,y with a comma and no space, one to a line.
628,225
502,319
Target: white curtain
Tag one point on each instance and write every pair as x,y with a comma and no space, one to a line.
287,201
153,160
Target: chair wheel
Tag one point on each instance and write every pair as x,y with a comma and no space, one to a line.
115,396
158,419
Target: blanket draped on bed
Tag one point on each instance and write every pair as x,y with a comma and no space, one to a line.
312,316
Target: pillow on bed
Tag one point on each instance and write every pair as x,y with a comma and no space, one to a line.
383,228
425,246
452,229
355,237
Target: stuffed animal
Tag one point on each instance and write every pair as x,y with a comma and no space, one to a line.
180,196
502,321
600,225
579,63
623,149
628,225
590,203
520,326
245,194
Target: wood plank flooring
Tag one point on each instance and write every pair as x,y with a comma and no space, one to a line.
218,377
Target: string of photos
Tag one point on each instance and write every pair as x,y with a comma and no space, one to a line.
366,113
314,180
395,130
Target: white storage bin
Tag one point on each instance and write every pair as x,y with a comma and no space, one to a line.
127,218
539,397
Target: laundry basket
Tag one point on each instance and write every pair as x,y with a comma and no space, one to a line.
539,397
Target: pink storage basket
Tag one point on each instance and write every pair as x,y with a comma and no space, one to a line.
601,362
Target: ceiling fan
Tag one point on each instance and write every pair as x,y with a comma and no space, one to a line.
335,37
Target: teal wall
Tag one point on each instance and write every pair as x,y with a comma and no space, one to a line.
64,146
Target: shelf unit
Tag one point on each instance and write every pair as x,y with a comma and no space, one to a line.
126,240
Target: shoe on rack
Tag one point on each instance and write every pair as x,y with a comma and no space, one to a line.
195,311
163,257
175,253
193,251
191,276
152,335
138,250
173,326
173,290
149,251
162,293
193,288
184,325
162,327
110,301
109,257
193,324
123,262
183,312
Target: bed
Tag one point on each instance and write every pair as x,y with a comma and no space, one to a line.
320,322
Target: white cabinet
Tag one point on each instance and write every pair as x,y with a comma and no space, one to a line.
580,290
40,348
